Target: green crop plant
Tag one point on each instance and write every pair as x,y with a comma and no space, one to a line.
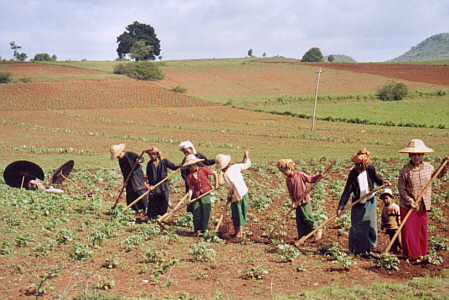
385,261
202,252
337,255
254,272
80,251
287,253
43,285
111,262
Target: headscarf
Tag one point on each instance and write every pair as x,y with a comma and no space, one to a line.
187,144
155,150
361,157
285,164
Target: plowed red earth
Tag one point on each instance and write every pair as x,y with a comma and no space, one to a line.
435,74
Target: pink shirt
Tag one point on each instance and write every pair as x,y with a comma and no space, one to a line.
201,184
296,185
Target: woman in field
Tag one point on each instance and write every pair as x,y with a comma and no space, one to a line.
237,189
135,186
413,177
188,149
157,169
198,180
296,186
361,179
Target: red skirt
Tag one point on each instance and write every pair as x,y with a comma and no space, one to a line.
414,234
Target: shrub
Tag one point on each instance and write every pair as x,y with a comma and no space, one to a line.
392,91
179,89
144,70
5,77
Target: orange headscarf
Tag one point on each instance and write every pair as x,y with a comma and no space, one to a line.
361,157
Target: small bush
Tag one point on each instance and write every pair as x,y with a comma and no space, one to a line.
5,77
142,70
179,89
392,91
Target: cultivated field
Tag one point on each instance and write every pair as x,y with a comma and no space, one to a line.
77,245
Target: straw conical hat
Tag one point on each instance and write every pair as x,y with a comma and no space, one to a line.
191,159
116,150
222,161
416,146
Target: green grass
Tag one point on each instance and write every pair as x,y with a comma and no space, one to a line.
428,111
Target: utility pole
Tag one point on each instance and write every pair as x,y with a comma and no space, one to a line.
316,96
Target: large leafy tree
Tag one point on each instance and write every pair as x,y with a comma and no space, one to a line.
313,55
138,32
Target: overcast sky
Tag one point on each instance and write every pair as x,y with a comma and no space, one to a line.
366,30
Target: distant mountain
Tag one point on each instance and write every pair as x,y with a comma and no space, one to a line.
340,58
435,47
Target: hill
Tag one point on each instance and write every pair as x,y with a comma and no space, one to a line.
435,47
340,58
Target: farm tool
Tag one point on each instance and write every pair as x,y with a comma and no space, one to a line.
435,175
127,178
179,206
304,238
308,190
151,189
222,215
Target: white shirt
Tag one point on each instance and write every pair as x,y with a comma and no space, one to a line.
234,180
363,185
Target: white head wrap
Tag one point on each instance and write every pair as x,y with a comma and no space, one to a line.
187,144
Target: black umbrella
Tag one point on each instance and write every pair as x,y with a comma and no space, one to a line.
19,173
62,172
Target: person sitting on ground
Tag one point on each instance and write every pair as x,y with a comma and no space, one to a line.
157,170
135,187
296,185
237,189
390,218
36,184
199,184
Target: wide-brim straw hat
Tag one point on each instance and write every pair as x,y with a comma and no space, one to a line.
416,146
222,161
386,191
191,159
116,150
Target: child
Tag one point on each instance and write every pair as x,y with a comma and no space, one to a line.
237,189
390,218
199,184
296,185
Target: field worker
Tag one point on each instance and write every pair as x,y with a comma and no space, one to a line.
157,169
296,185
361,179
237,189
188,149
413,177
135,187
198,181
390,217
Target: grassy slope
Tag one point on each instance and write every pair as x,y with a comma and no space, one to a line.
432,111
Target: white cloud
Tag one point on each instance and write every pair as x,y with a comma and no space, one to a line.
366,30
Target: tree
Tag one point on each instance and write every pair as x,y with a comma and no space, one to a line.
330,58
264,54
42,57
250,52
139,50
19,56
313,55
134,33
